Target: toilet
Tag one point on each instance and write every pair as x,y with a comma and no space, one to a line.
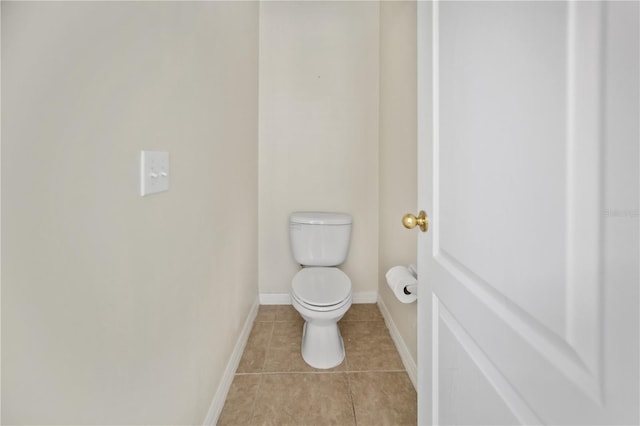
321,292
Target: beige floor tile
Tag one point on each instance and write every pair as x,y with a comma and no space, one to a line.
369,346
238,406
290,360
363,312
283,354
252,361
285,390
304,399
266,313
286,334
285,360
287,313
384,398
260,335
254,354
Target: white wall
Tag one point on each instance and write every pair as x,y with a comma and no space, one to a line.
398,161
318,130
117,308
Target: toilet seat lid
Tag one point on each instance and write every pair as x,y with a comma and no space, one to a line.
321,286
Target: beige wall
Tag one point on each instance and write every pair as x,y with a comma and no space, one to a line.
117,308
122,309
318,130
398,162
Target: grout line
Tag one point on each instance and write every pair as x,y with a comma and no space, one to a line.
353,405
322,372
346,358
255,399
266,350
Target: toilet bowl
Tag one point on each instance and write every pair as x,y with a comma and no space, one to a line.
322,295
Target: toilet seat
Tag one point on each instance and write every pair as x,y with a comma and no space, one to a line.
321,288
319,309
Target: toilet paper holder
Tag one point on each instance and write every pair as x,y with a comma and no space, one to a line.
411,289
402,280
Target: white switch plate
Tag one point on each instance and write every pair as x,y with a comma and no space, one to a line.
154,172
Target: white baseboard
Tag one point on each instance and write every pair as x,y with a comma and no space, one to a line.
275,299
227,378
285,298
405,355
365,297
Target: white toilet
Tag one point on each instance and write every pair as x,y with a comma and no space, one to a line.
320,291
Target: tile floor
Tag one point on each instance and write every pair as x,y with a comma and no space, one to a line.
274,386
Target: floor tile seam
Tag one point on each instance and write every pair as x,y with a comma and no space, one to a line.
266,349
302,372
256,373
353,405
376,371
280,373
255,400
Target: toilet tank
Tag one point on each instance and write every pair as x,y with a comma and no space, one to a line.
320,238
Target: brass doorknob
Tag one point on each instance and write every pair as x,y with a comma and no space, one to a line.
410,221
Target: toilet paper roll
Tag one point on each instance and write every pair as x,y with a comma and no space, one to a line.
398,278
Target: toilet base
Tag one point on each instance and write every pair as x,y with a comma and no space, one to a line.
322,345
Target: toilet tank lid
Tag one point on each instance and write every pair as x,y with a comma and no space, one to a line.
321,218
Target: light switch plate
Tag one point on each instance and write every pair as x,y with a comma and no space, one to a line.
154,172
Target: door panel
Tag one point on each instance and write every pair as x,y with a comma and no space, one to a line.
461,362
517,192
488,71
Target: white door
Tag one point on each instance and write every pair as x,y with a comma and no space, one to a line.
528,171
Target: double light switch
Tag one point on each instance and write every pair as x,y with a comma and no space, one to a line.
154,175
